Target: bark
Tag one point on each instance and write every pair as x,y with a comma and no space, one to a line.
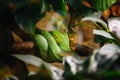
23,45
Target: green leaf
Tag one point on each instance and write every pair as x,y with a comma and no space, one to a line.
36,12
75,3
81,10
43,4
59,6
101,5
84,11
27,16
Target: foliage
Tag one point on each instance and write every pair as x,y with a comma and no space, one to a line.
21,16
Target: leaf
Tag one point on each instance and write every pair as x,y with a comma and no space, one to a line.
27,16
45,69
101,5
102,36
102,59
72,64
89,24
102,33
105,37
23,18
44,6
75,3
57,73
30,59
106,57
111,49
47,72
81,9
96,19
36,12
59,6
113,24
11,78
101,39
92,66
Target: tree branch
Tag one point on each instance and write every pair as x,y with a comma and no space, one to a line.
23,45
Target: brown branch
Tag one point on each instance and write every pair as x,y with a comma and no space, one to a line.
27,47
23,45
